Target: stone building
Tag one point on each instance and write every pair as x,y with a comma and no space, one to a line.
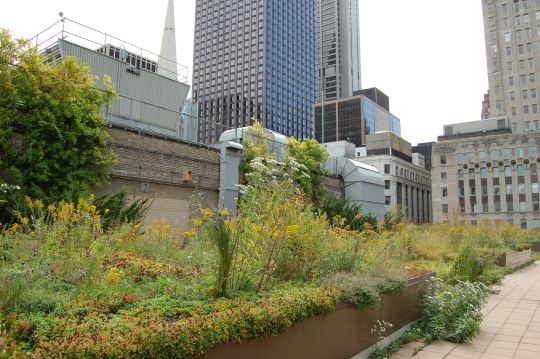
407,186
482,170
512,38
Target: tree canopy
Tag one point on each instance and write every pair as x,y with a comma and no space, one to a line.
57,109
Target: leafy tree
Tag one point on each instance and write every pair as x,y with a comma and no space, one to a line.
311,154
255,142
58,111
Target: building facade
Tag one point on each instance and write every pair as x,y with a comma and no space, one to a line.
512,35
351,119
255,59
338,49
407,186
489,174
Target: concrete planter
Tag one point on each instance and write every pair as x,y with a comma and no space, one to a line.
514,258
344,333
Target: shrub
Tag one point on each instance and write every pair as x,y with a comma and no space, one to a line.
468,265
454,312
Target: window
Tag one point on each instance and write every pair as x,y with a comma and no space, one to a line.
444,208
507,153
387,169
444,191
386,184
494,154
470,156
444,176
443,160
482,155
521,170
532,151
495,172
519,152
507,171
459,158
387,200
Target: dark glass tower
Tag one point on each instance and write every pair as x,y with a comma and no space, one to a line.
255,59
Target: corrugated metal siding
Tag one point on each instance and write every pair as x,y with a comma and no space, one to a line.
148,97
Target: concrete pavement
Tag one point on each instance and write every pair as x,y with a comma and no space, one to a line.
511,326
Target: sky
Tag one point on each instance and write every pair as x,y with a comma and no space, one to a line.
427,55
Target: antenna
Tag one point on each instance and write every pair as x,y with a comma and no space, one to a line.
123,54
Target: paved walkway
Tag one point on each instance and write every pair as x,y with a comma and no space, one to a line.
511,327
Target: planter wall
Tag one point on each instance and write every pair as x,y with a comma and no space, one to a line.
514,258
340,334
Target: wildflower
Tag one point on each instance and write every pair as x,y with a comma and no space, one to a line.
106,211
196,222
38,204
28,202
189,234
51,208
206,213
114,276
24,221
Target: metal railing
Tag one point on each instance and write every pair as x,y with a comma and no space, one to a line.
91,38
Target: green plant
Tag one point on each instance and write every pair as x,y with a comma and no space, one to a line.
311,155
57,109
469,264
115,212
378,331
454,312
337,209
219,233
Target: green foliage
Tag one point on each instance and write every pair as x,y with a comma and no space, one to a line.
114,211
337,209
150,334
454,312
364,289
255,142
378,331
58,111
468,265
218,232
312,155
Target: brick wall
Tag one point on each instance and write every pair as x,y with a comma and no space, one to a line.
159,160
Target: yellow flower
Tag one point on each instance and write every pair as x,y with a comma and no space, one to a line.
91,198
114,276
38,204
292,232
189,234
206,213
28,202
14,228
224,212
51,208
106,210
196,222
24,221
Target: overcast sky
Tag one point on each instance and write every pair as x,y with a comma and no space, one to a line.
427,55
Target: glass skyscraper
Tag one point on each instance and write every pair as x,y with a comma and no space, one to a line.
255,59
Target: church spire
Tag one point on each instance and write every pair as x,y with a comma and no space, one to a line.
167,65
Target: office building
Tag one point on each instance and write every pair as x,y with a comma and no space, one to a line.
338,49
512,35
425,150
407,184
353,118
484,171
255,59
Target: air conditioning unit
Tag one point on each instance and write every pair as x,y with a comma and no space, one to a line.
187,176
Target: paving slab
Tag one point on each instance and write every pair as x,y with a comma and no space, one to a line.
511,326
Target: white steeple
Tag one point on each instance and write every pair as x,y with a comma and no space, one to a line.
167,65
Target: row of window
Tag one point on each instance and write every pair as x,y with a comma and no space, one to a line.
410,175
494,155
